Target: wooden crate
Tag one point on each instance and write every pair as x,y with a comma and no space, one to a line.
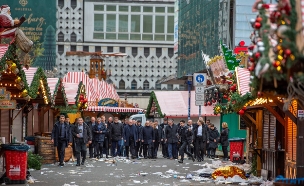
46,149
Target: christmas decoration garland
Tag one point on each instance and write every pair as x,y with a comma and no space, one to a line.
230,58
81,99
58,86
36,84
151,100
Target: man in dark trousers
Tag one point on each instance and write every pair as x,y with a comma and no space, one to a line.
116,135
171,139
91,124
82,135
163,143
147,139
130,138
139,144
158,134
61,137
201,138
191,147
185,138
99,131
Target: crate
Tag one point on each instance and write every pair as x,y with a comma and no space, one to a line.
45,148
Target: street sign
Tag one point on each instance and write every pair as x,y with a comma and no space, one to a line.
199,79
199,97
199,89
199,103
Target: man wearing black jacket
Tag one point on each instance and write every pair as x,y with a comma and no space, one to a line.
163,143
147,139
185,138
158,133
201,138
91,124
116,136
171,139
82,135
138,143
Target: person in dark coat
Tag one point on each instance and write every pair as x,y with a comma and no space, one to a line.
116,137
82,134
91,124
147,139
163,143
61,137
185,138
130,138
158,134
191,147
106,140
99,131
171,139
214,138
138,143
201,138
224,140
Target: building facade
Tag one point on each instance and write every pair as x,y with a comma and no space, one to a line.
144,30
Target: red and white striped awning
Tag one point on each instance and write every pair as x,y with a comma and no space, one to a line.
114,109
243,80
52,82
29,74
3,49
71,91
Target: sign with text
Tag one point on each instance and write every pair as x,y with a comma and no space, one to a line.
40,25
199,103
199,97
301,113
8,104
199,89
199,79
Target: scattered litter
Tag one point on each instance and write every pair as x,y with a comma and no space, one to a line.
185,181
189,176
89,165
158,173
30,179
69,185
170,171
143,173
164,166
31,170
136,181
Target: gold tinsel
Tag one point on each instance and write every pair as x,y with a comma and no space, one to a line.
228,171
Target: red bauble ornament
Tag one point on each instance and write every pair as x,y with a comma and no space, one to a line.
233,88
81,97
205,104
260,94
85,100
244,108
209,103
287,52
251,68
225,96
257,55
266,6
259,19
257,25
277,14
213,101
252,59
228,99
241,112
251,47
275,64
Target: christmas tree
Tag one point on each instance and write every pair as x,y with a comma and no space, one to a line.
48,60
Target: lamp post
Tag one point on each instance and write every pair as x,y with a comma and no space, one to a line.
189,83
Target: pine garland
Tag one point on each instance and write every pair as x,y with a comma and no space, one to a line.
151,100
58,86
35,85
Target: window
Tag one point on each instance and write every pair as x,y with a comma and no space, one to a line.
158,86
85,48
170,24
135,8
134,51
98,36
160,9
170,52
61,3
123,8
181,87
73,47
111,23
170,9
170,87
158,52
60,49
133,85
159,24
73,37
98,7
147,24
122,49
111,8
73,4
110,49
135,23
60,37
122,84
146,52
123,23
98,22
97,48
146,85
148,9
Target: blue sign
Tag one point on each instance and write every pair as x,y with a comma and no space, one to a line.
108,102
200,78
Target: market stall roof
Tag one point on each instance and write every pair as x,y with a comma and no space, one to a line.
58,95
95,89
3,49
243,80
114,109
173,104
71,91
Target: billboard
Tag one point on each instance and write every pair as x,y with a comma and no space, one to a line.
39,26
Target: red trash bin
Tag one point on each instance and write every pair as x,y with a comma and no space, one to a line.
15,164
237,148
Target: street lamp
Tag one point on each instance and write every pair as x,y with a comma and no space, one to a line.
189,83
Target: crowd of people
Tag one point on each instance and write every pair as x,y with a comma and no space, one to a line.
132,139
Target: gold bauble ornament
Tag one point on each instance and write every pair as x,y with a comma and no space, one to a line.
24,93
13,67
16,71
18,79
79,105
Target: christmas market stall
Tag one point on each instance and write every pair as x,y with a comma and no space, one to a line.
161,105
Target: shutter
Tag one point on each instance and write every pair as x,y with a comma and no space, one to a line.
266,129
272,131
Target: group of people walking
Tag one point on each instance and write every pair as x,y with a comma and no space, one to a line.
133,140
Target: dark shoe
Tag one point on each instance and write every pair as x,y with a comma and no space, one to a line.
82,163
140,155
198,160
77,164
193,159
180,161
145,157
107,156
61,164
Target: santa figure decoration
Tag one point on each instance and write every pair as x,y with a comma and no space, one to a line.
7,24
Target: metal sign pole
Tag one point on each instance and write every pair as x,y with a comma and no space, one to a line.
199,111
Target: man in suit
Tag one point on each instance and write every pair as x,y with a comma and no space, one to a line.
171,139
91,124
158,133
82,134
163,143
116,136
61,137
147,139
185,136
130,138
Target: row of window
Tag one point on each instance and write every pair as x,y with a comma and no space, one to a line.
73,3
146,85
123,8
121,49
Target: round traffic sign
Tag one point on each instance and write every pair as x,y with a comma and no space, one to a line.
200,78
